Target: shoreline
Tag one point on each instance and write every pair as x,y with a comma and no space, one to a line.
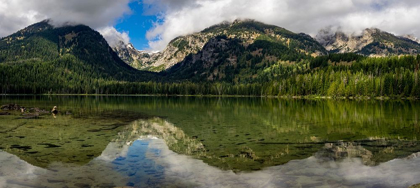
308,97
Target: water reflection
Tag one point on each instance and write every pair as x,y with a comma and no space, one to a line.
143,155
310,172
202,142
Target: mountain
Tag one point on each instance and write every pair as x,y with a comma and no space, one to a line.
246,32
138,59
372,42
172,60
41,42
44,57
411,37
241,58
241,51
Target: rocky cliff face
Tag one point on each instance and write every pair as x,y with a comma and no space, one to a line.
371,42
141,60
247,31
242,50
342,43
175,52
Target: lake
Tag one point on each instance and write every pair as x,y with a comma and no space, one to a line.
208,142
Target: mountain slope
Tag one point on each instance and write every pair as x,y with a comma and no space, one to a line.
372,42
246,31
41,57
42,42
242,51
138,59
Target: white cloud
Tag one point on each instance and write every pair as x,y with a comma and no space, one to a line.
98,14
113,36
309,16
183,17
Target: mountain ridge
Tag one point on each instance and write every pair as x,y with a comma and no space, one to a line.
246,30
43,57
260,60
45,42
371,42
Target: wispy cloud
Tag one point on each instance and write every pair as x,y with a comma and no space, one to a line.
98,14
183,17
187,16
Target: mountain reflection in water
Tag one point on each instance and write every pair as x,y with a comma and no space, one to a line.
210,142
142,155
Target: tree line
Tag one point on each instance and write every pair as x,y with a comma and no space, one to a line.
338,75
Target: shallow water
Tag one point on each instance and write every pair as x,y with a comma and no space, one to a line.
210,142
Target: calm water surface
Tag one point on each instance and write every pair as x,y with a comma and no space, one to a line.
209,142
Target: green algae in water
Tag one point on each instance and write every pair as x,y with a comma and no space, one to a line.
64,138
232,134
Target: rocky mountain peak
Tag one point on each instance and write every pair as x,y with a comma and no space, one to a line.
245,30
237,21
412,37
371,31
371,42
135,58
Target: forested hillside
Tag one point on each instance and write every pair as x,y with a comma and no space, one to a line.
335,75
41,59
69,59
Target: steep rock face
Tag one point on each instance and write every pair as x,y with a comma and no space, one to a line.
412,37
175,52
340,42
141,60
240,51
247,31
372,42
126,52
179,48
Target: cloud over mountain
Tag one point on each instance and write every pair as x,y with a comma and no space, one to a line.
98,14
309,16
183,17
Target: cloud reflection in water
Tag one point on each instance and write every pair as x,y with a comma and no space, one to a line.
142,158
182,170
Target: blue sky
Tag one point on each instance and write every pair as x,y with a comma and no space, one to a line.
136,25
115,18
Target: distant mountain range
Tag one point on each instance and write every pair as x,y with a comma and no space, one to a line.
372,42
76,59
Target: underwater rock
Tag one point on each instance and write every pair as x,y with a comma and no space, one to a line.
10,107
38,110
82,185
30,116
25,148
341,150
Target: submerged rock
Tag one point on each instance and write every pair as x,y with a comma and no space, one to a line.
30,116
10,107
342,150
